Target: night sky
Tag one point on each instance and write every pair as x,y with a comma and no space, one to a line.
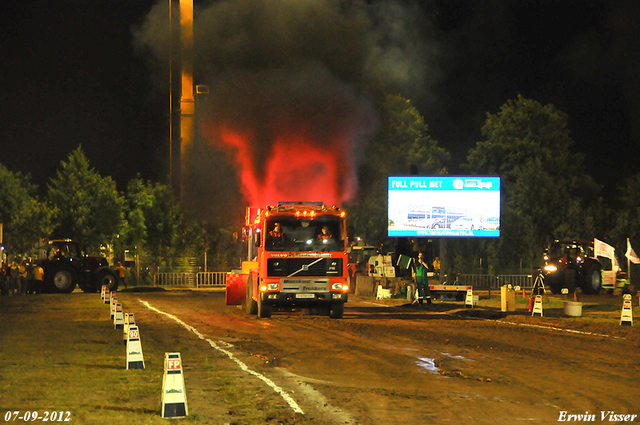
73,72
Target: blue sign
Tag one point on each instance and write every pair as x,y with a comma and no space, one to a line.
453,206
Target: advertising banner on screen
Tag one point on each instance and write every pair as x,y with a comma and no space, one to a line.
444,206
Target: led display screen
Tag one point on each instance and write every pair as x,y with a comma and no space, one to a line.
444,206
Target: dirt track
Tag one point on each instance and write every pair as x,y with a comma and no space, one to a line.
388,362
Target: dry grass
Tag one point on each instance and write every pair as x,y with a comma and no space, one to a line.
60,352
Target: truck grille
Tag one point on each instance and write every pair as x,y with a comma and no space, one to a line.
304,285
297,267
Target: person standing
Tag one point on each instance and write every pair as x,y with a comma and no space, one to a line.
436,267
38,279
4,288
13,276
30,289
121,274
421,279
22,279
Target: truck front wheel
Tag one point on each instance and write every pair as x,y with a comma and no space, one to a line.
337,311
251,307
264,309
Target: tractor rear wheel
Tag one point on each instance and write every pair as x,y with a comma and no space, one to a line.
106,278
570,280
593,280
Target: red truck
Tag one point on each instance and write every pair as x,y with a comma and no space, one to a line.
296,258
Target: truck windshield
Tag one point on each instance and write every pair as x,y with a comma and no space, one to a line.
324,233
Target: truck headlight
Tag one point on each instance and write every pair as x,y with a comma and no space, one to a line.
269,287
550,268
337,286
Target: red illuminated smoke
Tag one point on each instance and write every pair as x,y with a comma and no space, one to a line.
293,133
291,167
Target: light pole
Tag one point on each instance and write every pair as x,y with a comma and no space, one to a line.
182,131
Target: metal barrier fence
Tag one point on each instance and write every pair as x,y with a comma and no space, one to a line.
211,279
523,281
197,280
485,281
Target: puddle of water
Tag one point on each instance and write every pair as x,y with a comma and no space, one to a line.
428,364
456,357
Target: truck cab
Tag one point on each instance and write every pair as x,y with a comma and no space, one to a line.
297,257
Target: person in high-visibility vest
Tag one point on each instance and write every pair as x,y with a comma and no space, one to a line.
121,274
422,281
436,266
22,280
38,279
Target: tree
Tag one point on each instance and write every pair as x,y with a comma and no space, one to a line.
546,193
156,225
153,219
25,218
89,208
402,144
627,216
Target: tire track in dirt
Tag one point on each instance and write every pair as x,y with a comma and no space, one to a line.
290,401
313,396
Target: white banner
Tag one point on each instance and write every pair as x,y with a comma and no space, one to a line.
603,249
630,254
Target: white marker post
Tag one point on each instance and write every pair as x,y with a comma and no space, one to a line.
118,319
135,359
626,318
468,302
174,395
128,320
107,296
537,306
114,301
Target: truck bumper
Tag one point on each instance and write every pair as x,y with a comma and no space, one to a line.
281,299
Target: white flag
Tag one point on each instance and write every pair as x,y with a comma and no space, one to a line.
630,254
603,249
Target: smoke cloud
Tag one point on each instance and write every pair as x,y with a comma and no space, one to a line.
290,88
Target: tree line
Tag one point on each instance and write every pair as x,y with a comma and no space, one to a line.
146,220
546,194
